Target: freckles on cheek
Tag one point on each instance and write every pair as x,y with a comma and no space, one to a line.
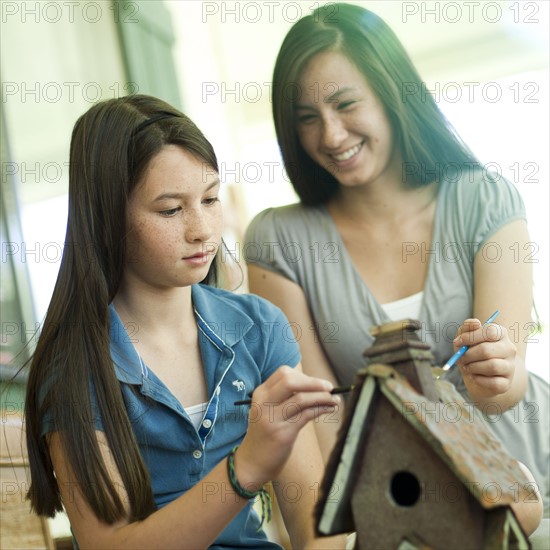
141,235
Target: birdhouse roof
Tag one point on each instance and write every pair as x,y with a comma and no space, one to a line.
457,432
454,429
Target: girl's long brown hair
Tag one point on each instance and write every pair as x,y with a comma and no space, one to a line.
111,146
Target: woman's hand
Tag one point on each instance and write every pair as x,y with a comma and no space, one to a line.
280,408
489,365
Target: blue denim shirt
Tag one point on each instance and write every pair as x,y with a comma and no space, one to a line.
243,339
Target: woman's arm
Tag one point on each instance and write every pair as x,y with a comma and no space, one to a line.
494,367
284,404
291,299
530,510
297,490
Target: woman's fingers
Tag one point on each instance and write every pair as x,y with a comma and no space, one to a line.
472,332
489,362
493,385
468,326
485,351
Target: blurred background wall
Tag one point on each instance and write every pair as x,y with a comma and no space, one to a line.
486,62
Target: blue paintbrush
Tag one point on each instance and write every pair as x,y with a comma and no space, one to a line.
460,352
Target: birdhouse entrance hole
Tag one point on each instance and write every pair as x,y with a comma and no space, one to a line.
405,489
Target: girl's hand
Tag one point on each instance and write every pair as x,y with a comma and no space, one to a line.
489,364
280,408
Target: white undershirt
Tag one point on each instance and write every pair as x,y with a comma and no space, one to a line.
406,308
196,412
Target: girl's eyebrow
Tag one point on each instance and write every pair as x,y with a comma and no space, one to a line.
164,196
329,99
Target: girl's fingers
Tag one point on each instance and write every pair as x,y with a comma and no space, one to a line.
280,409
285,382
301,405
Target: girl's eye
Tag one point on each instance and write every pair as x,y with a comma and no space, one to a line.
171,212
210,201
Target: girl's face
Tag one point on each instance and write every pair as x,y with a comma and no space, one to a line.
341,124
174,221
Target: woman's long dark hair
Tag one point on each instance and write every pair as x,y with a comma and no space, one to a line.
112,144
426,140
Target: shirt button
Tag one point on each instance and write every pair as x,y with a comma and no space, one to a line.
207,423
197,454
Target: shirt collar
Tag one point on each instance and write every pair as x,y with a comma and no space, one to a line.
123,353
217,315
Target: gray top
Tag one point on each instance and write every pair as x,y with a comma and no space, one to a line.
303,244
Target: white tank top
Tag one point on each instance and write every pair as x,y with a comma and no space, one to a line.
405,308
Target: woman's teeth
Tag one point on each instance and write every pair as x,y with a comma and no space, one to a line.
348,154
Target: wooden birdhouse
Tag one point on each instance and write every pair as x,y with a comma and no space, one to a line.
415,466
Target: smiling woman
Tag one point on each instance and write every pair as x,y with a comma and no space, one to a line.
330,111
129,409
387,189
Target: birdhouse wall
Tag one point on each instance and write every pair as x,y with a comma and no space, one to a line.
404,490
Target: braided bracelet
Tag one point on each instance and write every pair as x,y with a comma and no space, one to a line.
242,492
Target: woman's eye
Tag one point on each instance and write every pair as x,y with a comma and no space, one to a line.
306,119
169,213
345,104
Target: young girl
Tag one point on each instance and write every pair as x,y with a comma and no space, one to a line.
131,419
393,218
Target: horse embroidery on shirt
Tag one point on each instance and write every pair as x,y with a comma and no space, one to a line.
239,384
